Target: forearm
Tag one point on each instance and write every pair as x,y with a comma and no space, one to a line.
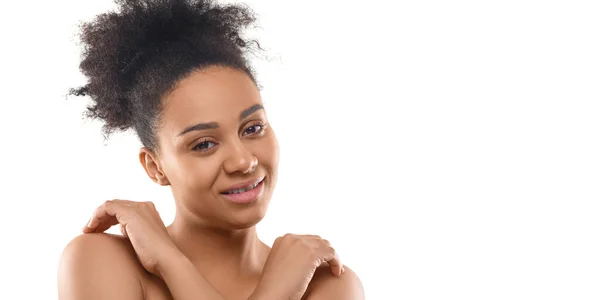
185,282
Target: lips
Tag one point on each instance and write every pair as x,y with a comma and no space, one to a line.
243,186
248,193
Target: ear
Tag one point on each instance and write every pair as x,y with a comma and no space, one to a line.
151,164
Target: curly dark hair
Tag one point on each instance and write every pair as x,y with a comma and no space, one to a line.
134,56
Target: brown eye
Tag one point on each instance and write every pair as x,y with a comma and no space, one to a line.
204,146
257,128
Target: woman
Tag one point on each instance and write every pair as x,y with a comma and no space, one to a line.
176,72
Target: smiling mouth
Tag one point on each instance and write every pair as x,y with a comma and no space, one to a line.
242,190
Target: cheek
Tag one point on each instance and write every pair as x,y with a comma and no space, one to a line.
201,173
268,152
193,175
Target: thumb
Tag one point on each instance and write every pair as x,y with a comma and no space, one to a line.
124,231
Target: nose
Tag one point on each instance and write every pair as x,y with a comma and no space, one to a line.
240,160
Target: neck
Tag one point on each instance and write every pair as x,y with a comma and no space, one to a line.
235,252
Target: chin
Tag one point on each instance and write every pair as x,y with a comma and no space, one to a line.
247,218
241,224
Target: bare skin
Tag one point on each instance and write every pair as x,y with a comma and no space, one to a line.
211,250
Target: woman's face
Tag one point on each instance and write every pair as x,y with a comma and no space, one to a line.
216,149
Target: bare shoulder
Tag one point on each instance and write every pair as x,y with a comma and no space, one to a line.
99,266
325,285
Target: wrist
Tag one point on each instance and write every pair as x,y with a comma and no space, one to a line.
171,261
183,280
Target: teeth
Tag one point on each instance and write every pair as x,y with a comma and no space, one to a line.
243,189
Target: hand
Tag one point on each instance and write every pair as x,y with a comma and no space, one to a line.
141,223
291,265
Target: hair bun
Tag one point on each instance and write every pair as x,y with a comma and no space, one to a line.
134,55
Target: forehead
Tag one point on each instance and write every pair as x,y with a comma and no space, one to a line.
215,94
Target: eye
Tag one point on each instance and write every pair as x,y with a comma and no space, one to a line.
204,146
254,129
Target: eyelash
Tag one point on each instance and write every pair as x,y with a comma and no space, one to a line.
197,146
261,129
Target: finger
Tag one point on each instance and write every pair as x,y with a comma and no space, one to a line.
100,223
328,253
331,257
106,215
312,237
124,231
105,224
97,217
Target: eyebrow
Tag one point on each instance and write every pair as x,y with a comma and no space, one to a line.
212,125
248,111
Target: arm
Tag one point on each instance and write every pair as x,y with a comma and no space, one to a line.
186,283
102,266
325,286
98,267
95,267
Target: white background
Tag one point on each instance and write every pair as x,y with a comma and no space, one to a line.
448,149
